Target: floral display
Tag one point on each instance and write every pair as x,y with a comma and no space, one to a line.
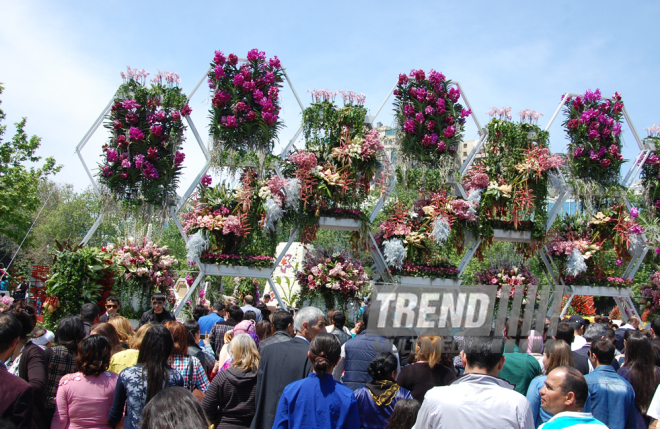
145,262
507,273
335,278
593,126
580,304
142,161
5,302
591,249
238,226
510,182
246,286
430,119
415,242
340,161
77,276
245,104
650,297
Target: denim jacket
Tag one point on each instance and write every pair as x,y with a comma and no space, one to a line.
612,398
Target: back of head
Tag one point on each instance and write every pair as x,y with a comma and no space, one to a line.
307,314
324,352
250,315
610,335
430,350
265,312
481,352
199,311
156,347
26,315
89,312
365,317
330,314
70,331
655,326
173,408
192,326
264,329
603,350
236,313
180,337
595,331
282,319
218,306
382,366
110,333
338,319
136,341
565,332
574,382
249,299
10,330
244,353
123,327
559,354
404,414
93,356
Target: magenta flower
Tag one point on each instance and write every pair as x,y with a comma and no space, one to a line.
442,146
275,62
634,212
232,59
152,153
419,117
273,92
238,80
419,75
449,132
131,118
220,99
454,94
121,140
157,130
403,79
249,86
256,55
409,126
251,116
150,171
219,72
123,175
130,104
219,58
111,155
269,77
139,161
429,110
430,125
578,152
606,163
465,113
186,110
135,134
207,180
241,106
269,118
179,157
616,129
126,163
176,116
116,125
229,121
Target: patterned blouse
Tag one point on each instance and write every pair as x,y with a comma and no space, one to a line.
61,363
132,391
193,374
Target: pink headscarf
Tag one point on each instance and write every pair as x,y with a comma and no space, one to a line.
245,327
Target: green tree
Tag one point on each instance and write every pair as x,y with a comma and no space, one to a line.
19,197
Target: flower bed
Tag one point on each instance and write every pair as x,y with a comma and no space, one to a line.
246,106
516,275
142,160
334,278
238,226
591,250
510,182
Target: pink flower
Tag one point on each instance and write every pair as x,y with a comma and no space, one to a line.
135,134
152,153
126,163
207,180
449,132
121,140
275,62
403,79
251,116
111,155
634,212
256,55
238,80
305,160
233,59
465,113
409,126
419,117
606,163
130,104
219,58
220,99
139,161
269,118
229,121
241,106
116,125
232,225
179,157
219,72
176,116
442,146
150,171
429,110
578,152
186,110
157,130
480,181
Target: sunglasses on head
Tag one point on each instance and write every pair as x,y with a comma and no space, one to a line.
111,306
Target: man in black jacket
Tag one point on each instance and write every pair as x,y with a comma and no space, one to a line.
283,323
157,315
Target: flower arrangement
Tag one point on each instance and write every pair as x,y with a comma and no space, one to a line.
510,182
340,161
580,304
246,105
430,119
591,249
516,275
245,286
415,243
77,276
238,226
335,278
5,302
142,161
593,126
650,301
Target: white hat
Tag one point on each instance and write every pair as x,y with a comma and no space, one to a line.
44,339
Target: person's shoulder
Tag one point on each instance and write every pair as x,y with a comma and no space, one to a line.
13,383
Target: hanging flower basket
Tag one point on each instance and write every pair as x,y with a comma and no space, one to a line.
142,160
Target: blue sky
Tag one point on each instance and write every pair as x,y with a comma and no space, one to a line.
60,61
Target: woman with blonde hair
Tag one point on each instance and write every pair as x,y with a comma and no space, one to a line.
127,358
123,327
428,371
558,353
229,401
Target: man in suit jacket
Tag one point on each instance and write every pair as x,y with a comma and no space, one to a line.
283,323
16,395
283,363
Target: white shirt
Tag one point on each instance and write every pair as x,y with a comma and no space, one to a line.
654,408
578,342
475,401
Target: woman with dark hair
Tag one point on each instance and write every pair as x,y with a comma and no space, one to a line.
427,371
174,408
377,399
29,362
199,311
194,376
194,350
264,329
110,333
69,333
640,371
85,397
318,401
404,414
229,403
138,384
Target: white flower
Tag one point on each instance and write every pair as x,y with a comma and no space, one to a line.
196,245
475,196
264,193
441,230
394,252
292,191
575,264
273,213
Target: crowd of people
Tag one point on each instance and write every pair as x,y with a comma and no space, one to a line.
253,366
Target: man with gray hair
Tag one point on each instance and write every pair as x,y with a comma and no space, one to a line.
595,331
283,363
